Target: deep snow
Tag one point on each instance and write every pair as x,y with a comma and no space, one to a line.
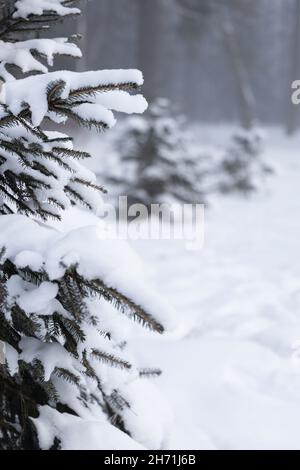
231,369
233,378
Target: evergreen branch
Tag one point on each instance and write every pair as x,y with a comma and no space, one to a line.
118,402
89,370
8,334
28,275
66,375
90,91
90,185
125,305
77,197
77,154
10,25
14,388
54,90
149,373
67,111
110,359
15,200
57,204
22,323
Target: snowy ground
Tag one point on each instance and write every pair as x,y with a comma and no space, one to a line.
232,369
233,378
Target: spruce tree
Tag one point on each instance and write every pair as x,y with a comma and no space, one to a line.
59,335
162,163
242,167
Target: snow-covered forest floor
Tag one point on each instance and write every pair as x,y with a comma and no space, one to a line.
230,371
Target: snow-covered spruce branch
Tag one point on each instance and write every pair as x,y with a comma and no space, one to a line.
21,19
48,318
61,292
126,305
59,95
27,8
40,172
25,54
27,16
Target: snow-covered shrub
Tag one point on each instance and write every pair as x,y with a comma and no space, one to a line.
242,168
158,159
61,294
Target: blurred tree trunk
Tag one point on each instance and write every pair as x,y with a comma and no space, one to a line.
246,97
193,25
292,116
149,46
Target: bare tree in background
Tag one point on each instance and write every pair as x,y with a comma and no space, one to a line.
246,97
150,13
154,48
193,21
192,8
194,15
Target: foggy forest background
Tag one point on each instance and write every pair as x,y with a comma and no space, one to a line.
216,60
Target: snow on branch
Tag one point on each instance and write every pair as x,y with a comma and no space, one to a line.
118,100
22,54
100,265
67,94
25,8
27,17
33,16
40,173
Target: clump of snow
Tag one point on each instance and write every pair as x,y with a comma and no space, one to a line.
32,91
37,300
94,112
119,100
151,424
30,259
25,8
21,53
76,435
51,355
29,239
99,257
12,358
